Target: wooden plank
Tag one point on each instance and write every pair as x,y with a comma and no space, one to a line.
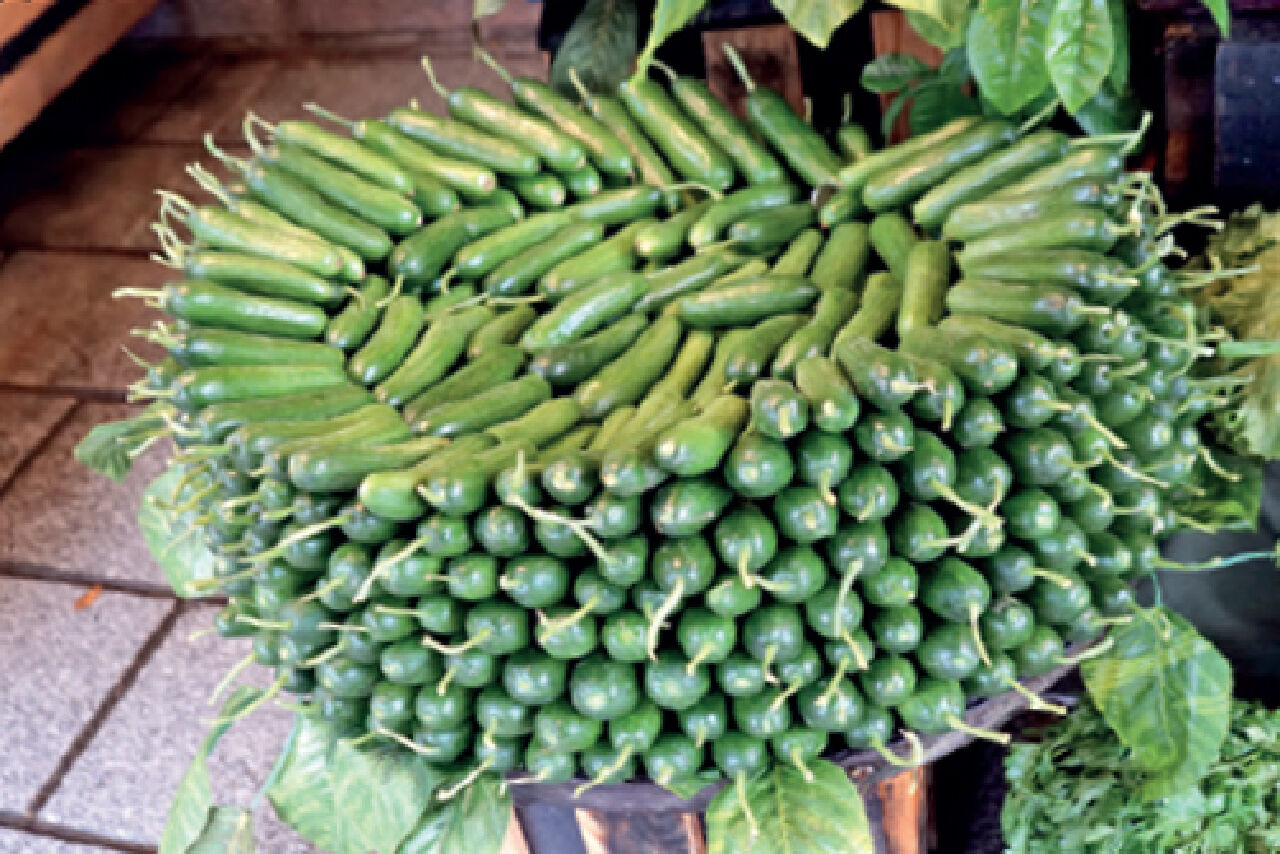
61,58
890,33
771,56
641,832
14,16
903,799
594,827
514,842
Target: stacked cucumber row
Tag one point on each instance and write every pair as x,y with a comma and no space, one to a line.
577,440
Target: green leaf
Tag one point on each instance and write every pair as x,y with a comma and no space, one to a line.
823,815
948,13
1079,47
1119,73
892,72
1224,503
1166,691
937,102
687,787
1006,51
1221,15
485,8
941,35
111,448
302,793
895,108
668,16
600,47
816,20
177,547
475,821
229,831
379,794
1107,112
190,810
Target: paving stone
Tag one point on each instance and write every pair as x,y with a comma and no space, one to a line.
16,842
24,421
215,102
59,663
62,516
337,16
59,325
122,784
89,198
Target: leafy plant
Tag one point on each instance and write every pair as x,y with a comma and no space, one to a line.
172,536
1077,791
934,95
600,47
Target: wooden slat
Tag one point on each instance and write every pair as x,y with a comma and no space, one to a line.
905,813
514,842
771,56
641,832
60,59
16,14
890,33
594,829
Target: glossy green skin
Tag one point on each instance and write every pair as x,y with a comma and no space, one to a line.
948,651
548,766
954,590
858,547
875,727
568,642
474,668
685,507
804,150
706,720
705,635
444,745
740,675
745,539
669,683
888,680
738,754
1064,549
408,662
625,636
895,583
832,402
688,560
899,629
1041,652
749,358
687,149
385,626
346,679
730,597
828,617
978,424
1007,624
919,533
885,436
829,711
751,158
614,516
756,715
391,705
629,560
1058,605
1031,514
758,466
932,706
796,573
560,728
535,581
869,493
590,589
603,689
774,633
803,514
533,678
671,757
993,680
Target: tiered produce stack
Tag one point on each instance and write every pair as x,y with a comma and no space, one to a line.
576,439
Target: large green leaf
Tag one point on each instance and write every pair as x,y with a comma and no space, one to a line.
1109,112
1079,47
1166,691
816,20
600,47
1006,51
1119,73
302,792
1221,15
179,550
379,795
892,72
229,831
192,806
110,448
668,16
937,102
475,820
1224,502
790,815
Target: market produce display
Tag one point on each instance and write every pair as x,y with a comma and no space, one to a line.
585,441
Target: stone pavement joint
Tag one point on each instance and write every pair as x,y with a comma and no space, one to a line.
108,704
38,448
43,829
54,575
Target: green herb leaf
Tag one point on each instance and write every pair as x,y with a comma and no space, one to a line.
1221,15
190,810
1119,73
229,831
668,16
600,47
944,36
816,20
111,448
379,795
1109,112
892,72
1166,691
1079,49
302,793
788,813
1006,51
177,546
475,820
485,8
895,108
937,102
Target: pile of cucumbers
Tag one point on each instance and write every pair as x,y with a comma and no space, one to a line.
625,439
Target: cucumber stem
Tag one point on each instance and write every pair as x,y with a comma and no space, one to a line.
766,664
740,783
1093,652
974,613
914,759
1034,701
1052,577
858,655
842,596
235,164
404,741
449,793
618,763
1041,116
381,567
958,723
1221,562
225,681
271,691
739,67
317,110
798,761
299,535
431,78
266,625
485,57
457,649
584,94
1194,524
328,587
247,128
660,615
698,657
330,653
443,684
833,687
151,297
550,626
784,695
210,184
1214,466
396,287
